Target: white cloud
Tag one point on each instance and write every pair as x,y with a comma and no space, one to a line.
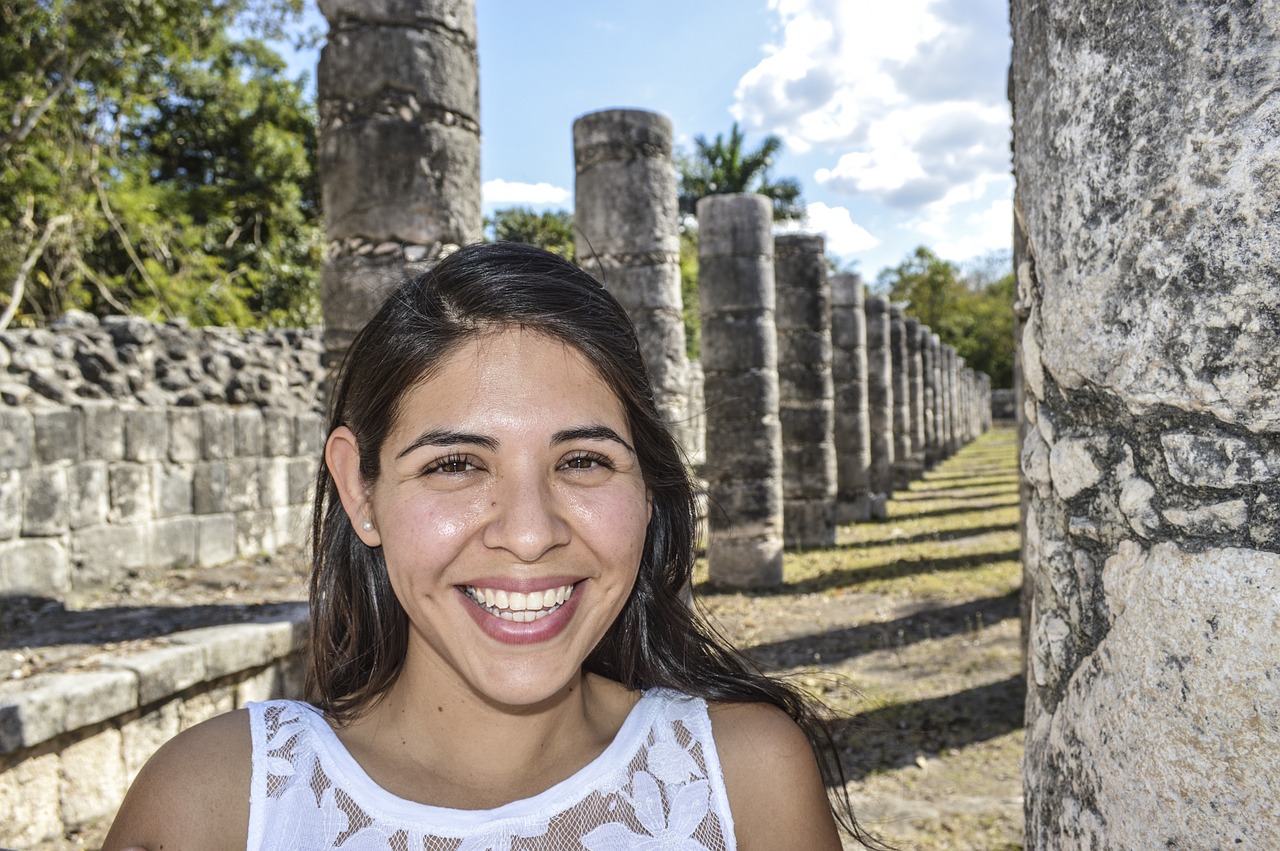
931,154
909,95
977,232
843,236
504,193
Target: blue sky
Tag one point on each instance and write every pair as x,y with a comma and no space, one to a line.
893,114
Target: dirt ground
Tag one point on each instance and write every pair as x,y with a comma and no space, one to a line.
908,630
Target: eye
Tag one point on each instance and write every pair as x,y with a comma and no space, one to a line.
586,461
450,464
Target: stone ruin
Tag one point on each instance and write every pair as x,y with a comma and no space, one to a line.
125,444
1147,158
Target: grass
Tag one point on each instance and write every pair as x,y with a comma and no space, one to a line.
908,630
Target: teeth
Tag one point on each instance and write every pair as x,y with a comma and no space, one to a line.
517,606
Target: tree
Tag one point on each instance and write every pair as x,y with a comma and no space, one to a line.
723,167
971,312
552,230
175,159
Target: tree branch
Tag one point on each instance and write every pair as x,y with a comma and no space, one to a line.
34,252
128,246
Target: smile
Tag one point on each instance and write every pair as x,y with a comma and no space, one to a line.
518,606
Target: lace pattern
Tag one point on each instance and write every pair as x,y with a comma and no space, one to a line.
657,786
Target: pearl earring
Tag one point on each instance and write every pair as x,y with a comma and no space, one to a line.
367,525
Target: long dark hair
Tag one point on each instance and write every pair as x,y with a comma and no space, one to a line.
359,632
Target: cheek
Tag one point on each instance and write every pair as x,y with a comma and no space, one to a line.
425,532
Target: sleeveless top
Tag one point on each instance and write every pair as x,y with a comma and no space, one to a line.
657,785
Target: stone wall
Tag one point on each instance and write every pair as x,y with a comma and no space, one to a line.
1147,156
206,451
72,742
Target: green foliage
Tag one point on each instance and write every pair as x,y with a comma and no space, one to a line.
973,312
692,308
722,167
552,230
175,159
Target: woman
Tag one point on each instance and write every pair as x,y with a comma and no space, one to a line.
500,657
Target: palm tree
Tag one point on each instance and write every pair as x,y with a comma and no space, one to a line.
723,167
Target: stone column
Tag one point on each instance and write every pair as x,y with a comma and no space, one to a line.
879,399
915,393
948,401
929,380
740,362
849,375
940,402
398,98
806,403
1147,160
626,224
900,376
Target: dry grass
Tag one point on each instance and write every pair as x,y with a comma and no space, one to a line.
908,629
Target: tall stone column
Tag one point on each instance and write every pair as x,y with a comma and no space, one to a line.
398,98
806,396
880,398
625,220
940,400
849,376
1147,161
915,393
899,366
948,401
928,378
740,363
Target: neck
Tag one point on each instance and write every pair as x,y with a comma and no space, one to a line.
437,741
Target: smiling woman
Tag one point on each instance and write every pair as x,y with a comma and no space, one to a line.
500,656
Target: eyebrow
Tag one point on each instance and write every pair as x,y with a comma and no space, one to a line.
450,437
593,432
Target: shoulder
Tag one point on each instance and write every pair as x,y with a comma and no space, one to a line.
194,791
762,750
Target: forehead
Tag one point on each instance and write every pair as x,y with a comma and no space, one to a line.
513,370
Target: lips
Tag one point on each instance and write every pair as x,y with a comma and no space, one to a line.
519,606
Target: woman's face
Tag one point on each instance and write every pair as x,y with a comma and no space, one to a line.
512,512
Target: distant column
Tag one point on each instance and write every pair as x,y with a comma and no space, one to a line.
900,376
806,403
626,223
949,397
915,392
940,398
952,401
849,376
398,98
879,398
740,362
928,381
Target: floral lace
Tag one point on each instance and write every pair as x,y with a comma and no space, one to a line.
657,786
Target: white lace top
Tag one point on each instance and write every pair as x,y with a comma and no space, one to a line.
658,785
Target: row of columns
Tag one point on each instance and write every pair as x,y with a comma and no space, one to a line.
819,402
810,406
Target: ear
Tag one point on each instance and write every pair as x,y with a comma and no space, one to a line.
342,456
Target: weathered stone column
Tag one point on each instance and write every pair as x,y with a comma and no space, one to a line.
900,366
948,400
740,362
880,398
625,219
1147,161
940,400
929,380
849,376
398,97
915,394
806,403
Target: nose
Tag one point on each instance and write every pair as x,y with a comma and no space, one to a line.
525,518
